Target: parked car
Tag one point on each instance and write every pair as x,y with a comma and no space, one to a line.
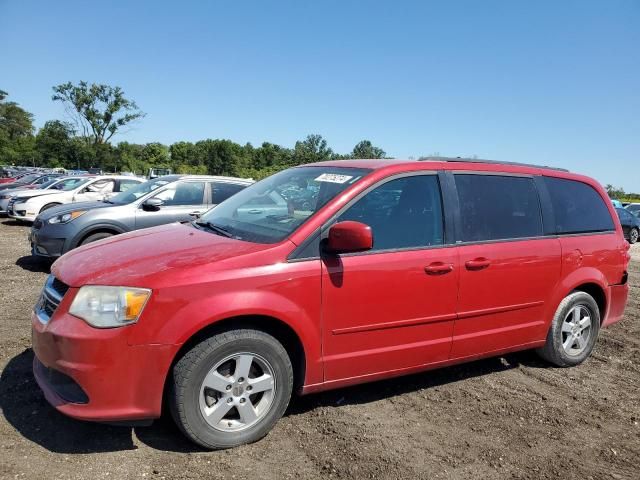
156,202
75,189
634,208
616,203
7,195
224,317
630,225
32,179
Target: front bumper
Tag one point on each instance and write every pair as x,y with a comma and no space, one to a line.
20,211
94,374
45,246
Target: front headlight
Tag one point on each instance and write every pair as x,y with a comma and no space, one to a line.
108,307
66,217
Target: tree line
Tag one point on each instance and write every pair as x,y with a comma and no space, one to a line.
99,112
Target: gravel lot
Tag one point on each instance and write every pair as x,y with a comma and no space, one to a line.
508,417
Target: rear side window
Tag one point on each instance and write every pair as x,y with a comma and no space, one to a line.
494,207
402,213
578,208
221,191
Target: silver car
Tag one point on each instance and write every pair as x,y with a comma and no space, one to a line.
162,200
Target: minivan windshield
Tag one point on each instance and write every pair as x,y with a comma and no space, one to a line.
134,193
272,209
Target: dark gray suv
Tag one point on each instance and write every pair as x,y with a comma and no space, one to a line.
172,198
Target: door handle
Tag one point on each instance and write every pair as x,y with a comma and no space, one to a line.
477,263
195,214
255,211
438,268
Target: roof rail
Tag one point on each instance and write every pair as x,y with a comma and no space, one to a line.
495,162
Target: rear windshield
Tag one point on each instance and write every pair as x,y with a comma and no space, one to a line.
272,209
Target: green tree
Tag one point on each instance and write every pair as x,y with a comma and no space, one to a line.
15,121
54,144
99,111
312,149
365,149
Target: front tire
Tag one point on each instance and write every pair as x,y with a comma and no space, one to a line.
95,237
231,389
48,206
573,332
634,234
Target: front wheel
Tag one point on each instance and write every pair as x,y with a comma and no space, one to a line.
573,331
633,236
231,389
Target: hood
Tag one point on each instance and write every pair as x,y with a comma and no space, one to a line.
37,193
6,186
70,207
16,192
153,257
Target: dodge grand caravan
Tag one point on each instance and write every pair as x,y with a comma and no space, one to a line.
392,267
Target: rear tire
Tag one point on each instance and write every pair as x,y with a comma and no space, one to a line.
95,237
573,332
231,389
633,235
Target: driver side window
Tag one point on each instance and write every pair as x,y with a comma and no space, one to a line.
402,213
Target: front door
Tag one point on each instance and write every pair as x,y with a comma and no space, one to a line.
393,307
181,201
508,269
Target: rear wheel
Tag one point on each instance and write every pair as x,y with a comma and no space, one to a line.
633,236
573,332
231,389
95,237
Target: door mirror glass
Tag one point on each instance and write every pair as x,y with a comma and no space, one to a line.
152,204
349,236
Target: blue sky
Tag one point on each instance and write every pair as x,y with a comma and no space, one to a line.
551,82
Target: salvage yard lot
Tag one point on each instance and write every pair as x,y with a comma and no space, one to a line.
508,417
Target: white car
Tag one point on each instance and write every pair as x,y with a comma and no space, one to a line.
28,205
6,195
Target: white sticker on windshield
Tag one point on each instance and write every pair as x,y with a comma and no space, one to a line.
333,178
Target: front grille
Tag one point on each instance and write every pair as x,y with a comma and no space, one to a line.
60,287
50,298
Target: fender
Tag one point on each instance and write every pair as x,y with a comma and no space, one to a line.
183,319
118,227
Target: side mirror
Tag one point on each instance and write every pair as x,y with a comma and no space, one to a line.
152,204
348,236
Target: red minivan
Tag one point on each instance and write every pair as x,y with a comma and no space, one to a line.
327,275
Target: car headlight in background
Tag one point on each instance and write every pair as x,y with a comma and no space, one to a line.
108,307
66,217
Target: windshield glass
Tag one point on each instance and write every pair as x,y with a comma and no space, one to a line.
69,183
134,193
272,209
48,183
29,178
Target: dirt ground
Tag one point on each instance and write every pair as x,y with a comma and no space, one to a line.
508,417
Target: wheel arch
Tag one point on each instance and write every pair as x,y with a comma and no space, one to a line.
101,228
273,326
598,294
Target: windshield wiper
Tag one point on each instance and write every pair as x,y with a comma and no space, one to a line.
215,228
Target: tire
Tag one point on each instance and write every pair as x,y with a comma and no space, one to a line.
563,348
48,206
223,359
633,235
95,237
